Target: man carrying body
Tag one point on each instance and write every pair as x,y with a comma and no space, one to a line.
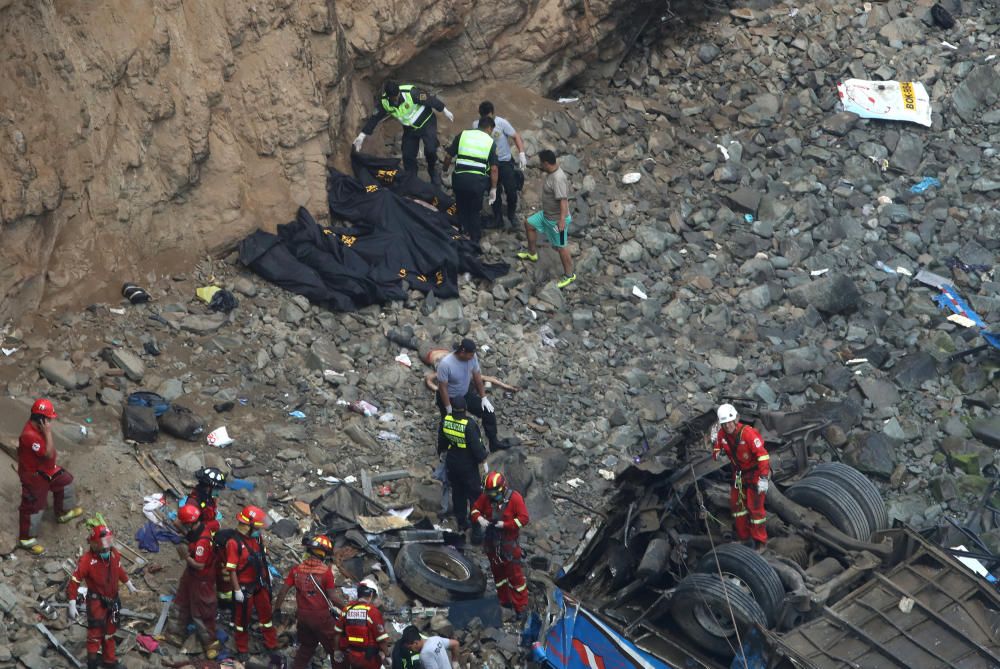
456,373
554,219
751,466
414,109
39,473
475,155
503,134
459,439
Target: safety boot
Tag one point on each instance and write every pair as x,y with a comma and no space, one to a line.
31,545
75,512
212,650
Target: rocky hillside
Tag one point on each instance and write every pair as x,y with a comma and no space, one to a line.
163,129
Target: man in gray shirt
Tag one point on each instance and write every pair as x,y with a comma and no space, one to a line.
456,373
503,134
436,652
554,218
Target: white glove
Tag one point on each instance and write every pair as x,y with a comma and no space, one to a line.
447,409
762,484
498,524
71,611
487,405
493,195
483,523
130,585
239,596
449,115
522,160
359,140
338,656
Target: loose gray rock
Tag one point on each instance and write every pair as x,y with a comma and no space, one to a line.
840,124
802,359
874,454
762,111
831,294
291,313
987,430
130,363
62,373
203,324
630,252
880,393
980,89
171,389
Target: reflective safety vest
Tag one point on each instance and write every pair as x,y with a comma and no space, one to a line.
473,153
454,431
409,111
358,627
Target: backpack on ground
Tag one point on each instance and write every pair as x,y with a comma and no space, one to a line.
181,422
139,424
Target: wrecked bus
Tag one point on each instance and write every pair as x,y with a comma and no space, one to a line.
659,582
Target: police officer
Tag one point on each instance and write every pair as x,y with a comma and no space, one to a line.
361,623
475,155
751,466
460,441
414,109
317,606
39,473
502,512
101,570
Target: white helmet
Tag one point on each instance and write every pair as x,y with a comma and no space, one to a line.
371,585
727,414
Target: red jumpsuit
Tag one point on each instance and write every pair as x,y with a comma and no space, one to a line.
38,476
101,578
251,574
505,554
745,448
362,626
206,503
196,591
311,580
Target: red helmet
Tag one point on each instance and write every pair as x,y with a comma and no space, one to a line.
101,536
43,407
252,516
188,514
495,486
320,546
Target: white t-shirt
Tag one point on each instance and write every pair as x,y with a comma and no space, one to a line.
434,654
502,129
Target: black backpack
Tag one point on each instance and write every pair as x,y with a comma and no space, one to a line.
257,560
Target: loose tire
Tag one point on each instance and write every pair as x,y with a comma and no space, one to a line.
701,607
743,567
859,487
438,574
833,502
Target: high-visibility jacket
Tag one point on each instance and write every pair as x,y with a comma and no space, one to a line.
745,448
410,113
473,153
362,626
454,431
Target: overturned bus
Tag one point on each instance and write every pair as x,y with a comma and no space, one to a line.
660,582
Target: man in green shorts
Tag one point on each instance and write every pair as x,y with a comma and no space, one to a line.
554,219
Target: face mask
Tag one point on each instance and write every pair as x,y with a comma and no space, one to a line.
104,555
255,534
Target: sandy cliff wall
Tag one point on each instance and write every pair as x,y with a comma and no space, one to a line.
138,134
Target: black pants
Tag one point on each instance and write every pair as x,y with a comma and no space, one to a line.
506,186
469,190
428,134
474,405
466,487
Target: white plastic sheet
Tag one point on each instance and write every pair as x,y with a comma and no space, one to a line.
886,100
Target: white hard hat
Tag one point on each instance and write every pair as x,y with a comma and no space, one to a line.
727,414
371,585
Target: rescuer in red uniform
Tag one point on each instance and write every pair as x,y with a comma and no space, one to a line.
247,568
39,473
362,626
316,603
210,481
751,467
502,513
195,599
101,571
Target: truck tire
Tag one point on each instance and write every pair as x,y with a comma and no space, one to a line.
833,502
744,567
859,487
438,574
701,606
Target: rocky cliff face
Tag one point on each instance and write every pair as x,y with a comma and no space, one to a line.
142,134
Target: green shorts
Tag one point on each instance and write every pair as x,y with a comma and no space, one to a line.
548,228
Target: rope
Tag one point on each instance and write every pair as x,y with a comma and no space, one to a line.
718,569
